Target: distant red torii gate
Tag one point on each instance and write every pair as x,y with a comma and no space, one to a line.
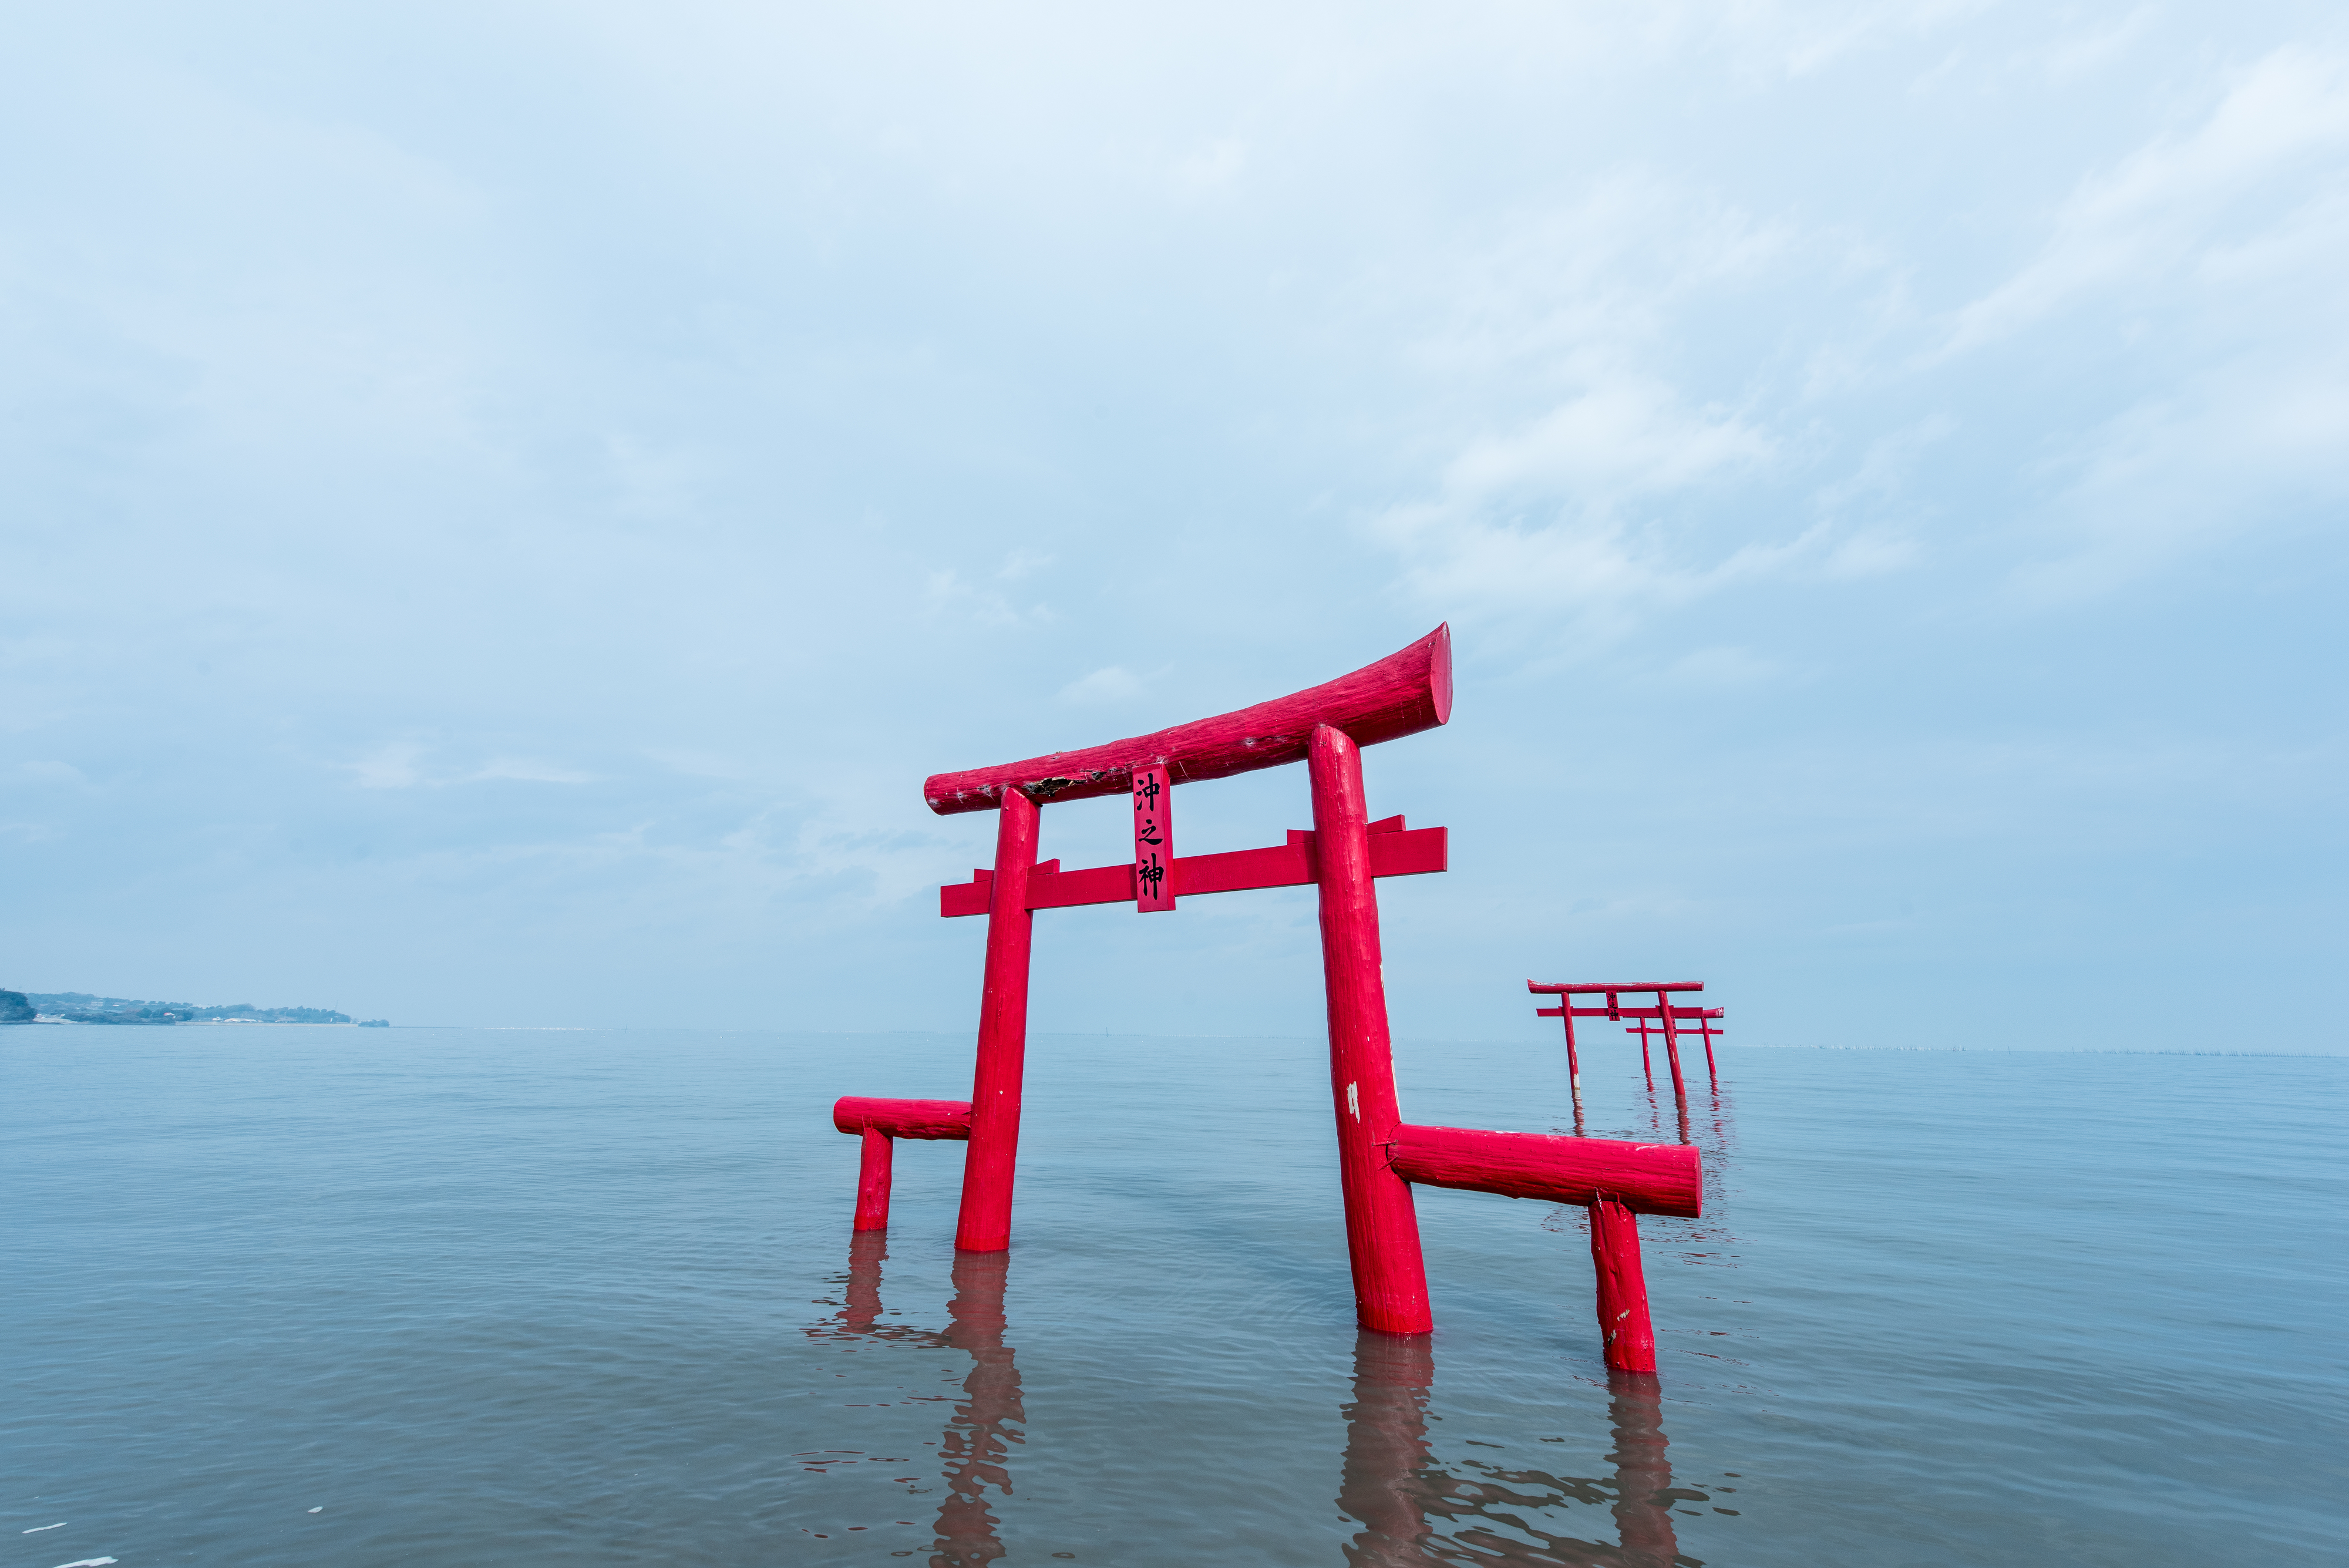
1695,1021
1379,1157
1667,1018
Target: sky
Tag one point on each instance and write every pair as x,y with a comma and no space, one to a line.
502,505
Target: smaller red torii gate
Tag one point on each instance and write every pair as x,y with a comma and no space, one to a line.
1702,1018
1666,1015
1379,1156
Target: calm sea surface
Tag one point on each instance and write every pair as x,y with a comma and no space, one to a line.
332,1297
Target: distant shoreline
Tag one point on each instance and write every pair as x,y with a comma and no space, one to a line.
208,1023
198,1024
82,1007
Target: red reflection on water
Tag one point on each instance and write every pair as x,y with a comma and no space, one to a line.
976,1445
1384,1483
1392,1485
1388,1481
975,1442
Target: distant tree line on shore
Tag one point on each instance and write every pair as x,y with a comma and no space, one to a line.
82,1007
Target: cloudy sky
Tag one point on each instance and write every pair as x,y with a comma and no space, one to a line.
502,504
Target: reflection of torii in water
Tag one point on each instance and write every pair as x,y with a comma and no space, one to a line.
1389,1483
1392,1486
975,1446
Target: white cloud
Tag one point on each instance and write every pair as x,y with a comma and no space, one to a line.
1723,669
524,769
1546,515
1103,688
1211,168
388,767
2166,206
401,766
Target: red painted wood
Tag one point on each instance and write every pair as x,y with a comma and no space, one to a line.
854,1114
1153,841
1394,852
1401,694
1592,988
1672,1046
1647,1177
1382,1225
873,1182
985,1223
1631,1013
1711,1074
1645,1031
1623,1325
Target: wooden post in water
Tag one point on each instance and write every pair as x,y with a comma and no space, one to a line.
1381,1224
872,1182
985,1223
1623,1325
1642,1028
1671,1041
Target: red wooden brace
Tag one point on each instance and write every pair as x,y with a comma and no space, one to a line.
1617,1181
878,1122
1643,1177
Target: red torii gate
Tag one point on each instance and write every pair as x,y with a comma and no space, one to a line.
1666,1015
1702,1017
1379,1155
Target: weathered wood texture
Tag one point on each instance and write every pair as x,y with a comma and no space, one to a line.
854,1114
1623,1323
1381,1223
1394,852
1401,694
1647,1177
984,1223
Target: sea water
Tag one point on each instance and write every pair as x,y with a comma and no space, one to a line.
418,1297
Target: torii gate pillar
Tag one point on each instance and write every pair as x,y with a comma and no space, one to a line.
984,1225
1381,1223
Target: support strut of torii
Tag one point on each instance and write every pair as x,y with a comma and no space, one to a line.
1379,1155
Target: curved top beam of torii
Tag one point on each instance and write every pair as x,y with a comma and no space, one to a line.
1401,694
